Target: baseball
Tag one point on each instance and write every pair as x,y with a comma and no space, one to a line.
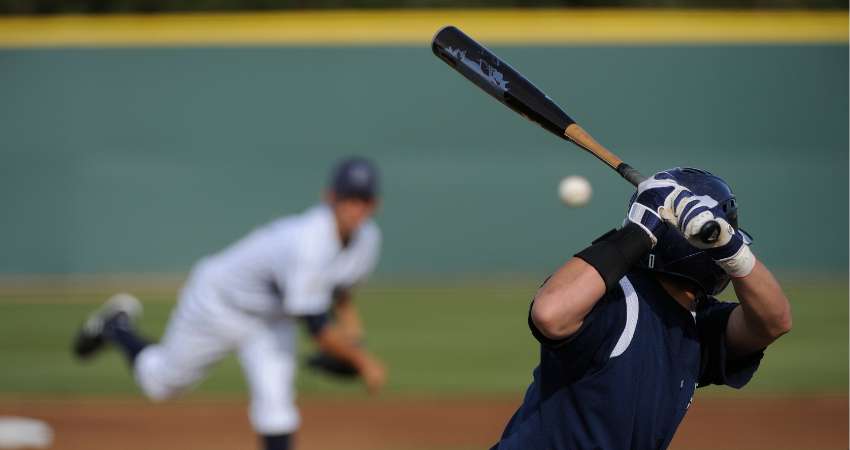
575,191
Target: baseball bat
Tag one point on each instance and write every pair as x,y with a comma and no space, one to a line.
502,82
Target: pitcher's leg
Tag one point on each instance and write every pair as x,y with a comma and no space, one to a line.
195,340
166,369
268,360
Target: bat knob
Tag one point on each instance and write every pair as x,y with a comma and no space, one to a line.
710,232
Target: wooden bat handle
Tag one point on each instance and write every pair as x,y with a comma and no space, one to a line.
584,140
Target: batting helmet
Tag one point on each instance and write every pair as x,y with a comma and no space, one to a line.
674,255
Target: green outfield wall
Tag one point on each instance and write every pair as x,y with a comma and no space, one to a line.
145,159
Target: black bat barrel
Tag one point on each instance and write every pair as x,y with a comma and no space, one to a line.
498,79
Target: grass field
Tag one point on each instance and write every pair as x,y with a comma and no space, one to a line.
455,338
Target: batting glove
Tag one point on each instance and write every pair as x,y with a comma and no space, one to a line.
649,202
689,212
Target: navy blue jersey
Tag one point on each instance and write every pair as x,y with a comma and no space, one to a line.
625,379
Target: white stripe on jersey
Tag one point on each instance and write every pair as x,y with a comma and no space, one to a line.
631,318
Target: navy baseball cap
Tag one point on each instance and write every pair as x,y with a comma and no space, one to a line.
355,178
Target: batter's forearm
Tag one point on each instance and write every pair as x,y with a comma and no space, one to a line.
765,312
562,303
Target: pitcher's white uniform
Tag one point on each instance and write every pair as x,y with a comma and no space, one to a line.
247,299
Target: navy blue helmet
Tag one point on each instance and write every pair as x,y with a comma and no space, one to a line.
674,255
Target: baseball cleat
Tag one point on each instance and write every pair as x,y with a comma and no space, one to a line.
90,336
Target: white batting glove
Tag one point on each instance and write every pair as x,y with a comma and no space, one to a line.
649,202
689,212
739,264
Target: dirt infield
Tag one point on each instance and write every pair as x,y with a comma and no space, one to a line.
810,423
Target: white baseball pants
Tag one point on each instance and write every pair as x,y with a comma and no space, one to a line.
202,330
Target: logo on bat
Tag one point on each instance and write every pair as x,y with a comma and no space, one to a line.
482,67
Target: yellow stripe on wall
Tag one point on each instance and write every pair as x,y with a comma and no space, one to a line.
416,27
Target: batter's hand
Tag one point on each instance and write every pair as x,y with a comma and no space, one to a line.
649,202
730,251
689,212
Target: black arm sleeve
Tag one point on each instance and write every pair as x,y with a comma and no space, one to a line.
614,254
